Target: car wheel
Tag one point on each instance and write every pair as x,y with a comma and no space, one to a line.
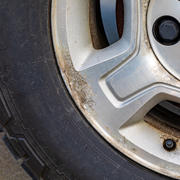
89,90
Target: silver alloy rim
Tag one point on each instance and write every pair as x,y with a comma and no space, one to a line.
117,86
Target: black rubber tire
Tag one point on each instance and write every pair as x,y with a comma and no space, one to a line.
41,122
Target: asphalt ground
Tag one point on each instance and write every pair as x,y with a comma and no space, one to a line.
10,169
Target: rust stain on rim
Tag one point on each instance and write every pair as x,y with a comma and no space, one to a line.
77,85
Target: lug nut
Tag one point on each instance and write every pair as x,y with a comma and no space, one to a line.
167,30
169,144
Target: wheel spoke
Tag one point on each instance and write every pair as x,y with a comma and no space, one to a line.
134,87
79,39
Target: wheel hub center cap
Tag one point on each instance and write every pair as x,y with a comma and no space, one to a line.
164,33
